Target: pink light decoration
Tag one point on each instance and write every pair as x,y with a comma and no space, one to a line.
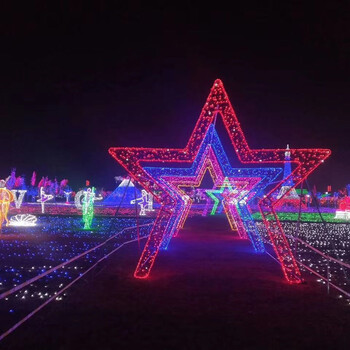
33,179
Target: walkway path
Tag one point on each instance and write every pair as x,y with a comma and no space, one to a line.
208,291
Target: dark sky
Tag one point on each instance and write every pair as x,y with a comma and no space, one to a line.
77,79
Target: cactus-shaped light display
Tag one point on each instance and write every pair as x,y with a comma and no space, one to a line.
88,207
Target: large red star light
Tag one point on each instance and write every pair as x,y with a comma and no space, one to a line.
218,103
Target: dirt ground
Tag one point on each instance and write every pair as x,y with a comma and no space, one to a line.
208,291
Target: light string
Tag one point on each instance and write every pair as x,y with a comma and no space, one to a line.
306,161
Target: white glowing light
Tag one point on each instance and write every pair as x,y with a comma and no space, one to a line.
23,220
99,198
81,194
67,194
342,214
78,199
18,200
145,202
44,198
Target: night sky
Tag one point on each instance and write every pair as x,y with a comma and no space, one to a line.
77,79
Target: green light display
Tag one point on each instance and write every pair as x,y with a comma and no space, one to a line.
88,207
305,217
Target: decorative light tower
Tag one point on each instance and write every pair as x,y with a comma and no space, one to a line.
289,184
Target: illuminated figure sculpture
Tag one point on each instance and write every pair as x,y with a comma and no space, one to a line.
6,197
43,199
88,207
217,105
145,202
123,194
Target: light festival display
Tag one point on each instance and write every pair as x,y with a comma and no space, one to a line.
123,194
226,195
216,195
67,195
6,197
217,104
342,215
60,245
288,191
145,202
43,199
343,212
307,216
18,199
78,199
23,220
288,186
208,204
333,242
80,195
88,207
49,244
212,157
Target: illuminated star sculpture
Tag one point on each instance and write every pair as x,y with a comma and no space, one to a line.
217,104
207,206
237,201
211,156
216,195
211,164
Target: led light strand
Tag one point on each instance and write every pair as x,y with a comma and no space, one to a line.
23,220
211,148
88,207
18,200
306,160
145,202
43,199
67,195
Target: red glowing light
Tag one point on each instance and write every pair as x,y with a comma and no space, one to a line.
306,161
